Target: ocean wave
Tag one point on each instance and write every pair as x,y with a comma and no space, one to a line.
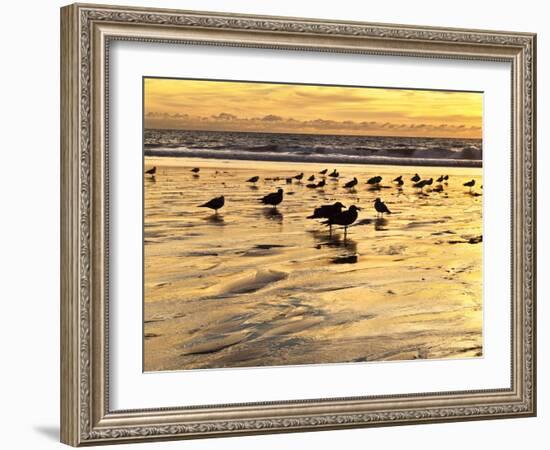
314,148
232,154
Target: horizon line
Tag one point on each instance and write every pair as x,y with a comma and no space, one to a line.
313,134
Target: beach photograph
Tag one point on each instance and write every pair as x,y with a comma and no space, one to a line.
292,224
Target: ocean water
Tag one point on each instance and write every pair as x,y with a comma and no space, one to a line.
315,148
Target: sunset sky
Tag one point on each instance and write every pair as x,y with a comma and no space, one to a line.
285,108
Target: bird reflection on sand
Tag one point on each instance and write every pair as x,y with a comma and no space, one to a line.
216,219
272,214
380,223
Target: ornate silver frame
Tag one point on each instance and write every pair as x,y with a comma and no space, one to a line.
86,31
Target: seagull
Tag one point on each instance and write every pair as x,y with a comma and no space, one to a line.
438,188
327,212
312,185
152,171
334,174
323,172
351,184
289,181
196,170
345,219
299,176
399,180
374,180
253,179
423,183
446,177
416,178
311,178
381,207
273,199
440,179
321,183
215,204
470,184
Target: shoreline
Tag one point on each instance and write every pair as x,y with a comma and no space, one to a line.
317,159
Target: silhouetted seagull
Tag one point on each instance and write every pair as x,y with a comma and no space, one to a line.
381,207
253,179
421,184
334,174
399,180
196,170
289,181
273,199
299,176
327,212
351,183
438,188
152,171
321,184
416,178
323,172
470,184
446,177
311,185
374,180
440,179
215,204
344,219
311,178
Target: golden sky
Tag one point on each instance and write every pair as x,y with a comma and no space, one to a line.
286,108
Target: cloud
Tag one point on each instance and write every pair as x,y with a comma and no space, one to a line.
278,124
224,116
272,118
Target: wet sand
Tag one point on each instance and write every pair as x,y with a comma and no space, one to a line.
256,286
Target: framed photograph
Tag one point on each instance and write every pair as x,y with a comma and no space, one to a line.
276,225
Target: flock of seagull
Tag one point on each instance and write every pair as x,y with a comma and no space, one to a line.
336,213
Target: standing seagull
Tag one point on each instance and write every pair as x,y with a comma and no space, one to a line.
253,179
299,176
311,178
381,207
423,183
351,184
195,170
327,212
345,219
321,183
273,199
416,178
334,174
440,179
215,204
152,171
399,180
323,172
470,184
374,181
